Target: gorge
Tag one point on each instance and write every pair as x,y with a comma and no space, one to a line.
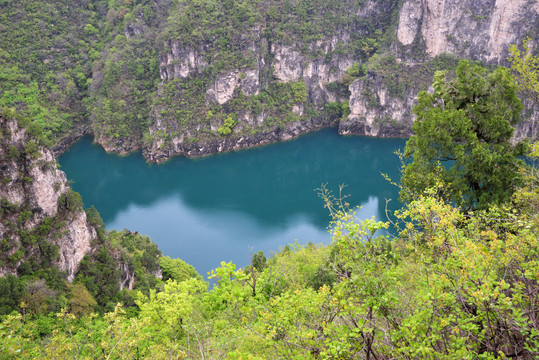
136,134
221,208
195,78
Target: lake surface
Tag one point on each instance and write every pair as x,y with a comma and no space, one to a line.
225,206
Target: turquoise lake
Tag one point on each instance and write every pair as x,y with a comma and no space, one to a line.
226,206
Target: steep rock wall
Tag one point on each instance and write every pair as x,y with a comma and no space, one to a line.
35,212
266,78
279,63
374,112
431,28
470,29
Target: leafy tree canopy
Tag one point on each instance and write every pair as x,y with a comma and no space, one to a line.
462,140
525,68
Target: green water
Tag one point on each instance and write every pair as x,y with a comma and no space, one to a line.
222,207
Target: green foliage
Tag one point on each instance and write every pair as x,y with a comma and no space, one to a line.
94,219
12,289
39,298
43,50
299,92
101,276
172,308
355,71
525,67
450,286
80,301
70,201
259,261
89,29
228,124
177,269
462,141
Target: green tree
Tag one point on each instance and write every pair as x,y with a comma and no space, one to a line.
462,142
12,290
259,260
81,301
525,68
177,269
228,124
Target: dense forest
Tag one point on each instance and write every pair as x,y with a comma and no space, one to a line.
191,77
453,274
95,65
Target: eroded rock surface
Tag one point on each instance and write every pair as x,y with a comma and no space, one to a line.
36,213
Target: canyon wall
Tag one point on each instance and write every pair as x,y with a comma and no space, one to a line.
427,29
42,218
380,100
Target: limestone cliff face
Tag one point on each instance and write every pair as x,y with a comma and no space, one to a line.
373,111
274,50
207,77
480,30
429,28
34,219
181,61
288,65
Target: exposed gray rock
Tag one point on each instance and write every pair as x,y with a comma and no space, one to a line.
480,30
33,182
223,89
250,82
374,112
181,61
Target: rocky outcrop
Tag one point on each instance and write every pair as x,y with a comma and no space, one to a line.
181,61
290,65
224,87
214,145
470,29
127,277
287,66
119,145
429,28
38,216
374,112
529,126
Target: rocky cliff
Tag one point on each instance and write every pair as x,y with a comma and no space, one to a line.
258,120
180,77
428,29
428,35
278,88
42,221
470,29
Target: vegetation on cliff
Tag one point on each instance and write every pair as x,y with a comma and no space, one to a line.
443,283
37,214
439,282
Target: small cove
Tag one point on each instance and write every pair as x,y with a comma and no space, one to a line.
223,207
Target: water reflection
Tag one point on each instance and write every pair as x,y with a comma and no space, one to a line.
215,208
206,237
